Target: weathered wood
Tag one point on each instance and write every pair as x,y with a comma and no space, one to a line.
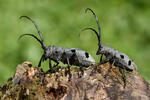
31,83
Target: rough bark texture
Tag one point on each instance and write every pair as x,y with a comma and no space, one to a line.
31,83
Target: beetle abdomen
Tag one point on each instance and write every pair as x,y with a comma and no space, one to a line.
121,59
77,57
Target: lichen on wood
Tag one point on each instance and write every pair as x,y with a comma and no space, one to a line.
32,83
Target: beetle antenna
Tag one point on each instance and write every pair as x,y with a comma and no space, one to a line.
97,21
33,37
39,32
89,28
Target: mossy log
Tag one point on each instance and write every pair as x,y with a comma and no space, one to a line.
32,83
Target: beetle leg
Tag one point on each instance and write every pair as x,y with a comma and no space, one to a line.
81,68
101,62
69,69
57,62
40,61
82,72
124,77
109,69
104,61
101,58
50,65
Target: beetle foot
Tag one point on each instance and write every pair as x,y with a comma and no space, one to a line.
93,70
69,78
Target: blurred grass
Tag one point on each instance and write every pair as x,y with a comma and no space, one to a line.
125,26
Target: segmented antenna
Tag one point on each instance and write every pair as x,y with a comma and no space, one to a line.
97,21
98,35
89,28
39,32
31,36
41,41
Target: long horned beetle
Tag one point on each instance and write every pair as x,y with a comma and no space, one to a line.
70,56
113,56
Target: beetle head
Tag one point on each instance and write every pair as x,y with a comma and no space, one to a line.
99,51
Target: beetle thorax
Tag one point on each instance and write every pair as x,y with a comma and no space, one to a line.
106,50
47,52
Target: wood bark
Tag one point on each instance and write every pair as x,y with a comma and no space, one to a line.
32,83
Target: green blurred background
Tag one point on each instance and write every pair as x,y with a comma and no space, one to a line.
125,26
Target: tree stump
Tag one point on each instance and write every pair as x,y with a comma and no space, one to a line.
32,83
